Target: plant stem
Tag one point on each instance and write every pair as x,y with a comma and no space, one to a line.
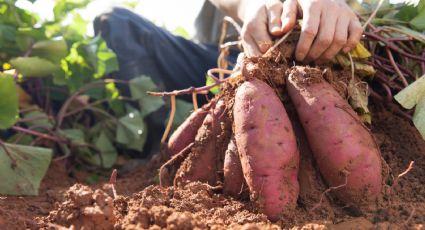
170,120
393,47
64,108
399,73
38,134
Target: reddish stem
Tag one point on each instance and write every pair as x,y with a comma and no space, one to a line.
190,90
399,73
38,134
393,47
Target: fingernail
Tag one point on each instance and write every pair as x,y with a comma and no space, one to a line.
346,49
275,29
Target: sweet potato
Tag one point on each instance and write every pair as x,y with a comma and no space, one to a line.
234,182
186,132
211,141
267,148
344,149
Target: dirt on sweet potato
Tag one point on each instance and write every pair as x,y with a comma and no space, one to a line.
197,205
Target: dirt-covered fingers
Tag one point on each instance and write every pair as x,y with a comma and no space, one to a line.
255,36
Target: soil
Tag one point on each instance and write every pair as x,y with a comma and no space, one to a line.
65,202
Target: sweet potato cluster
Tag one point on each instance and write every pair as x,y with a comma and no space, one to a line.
243,140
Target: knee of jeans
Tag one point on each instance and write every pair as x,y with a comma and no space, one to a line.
125,32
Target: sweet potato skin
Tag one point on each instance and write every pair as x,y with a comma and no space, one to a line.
267,148
234,182
344,149
203,162
186,132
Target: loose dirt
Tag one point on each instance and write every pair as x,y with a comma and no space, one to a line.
141,203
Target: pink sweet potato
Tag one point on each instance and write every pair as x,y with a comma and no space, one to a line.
344,149
267,148
234,182
202,164
186,132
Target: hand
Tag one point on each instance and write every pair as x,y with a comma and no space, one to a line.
328,26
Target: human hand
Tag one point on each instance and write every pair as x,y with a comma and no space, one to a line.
328,26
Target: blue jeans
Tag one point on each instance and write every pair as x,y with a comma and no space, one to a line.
143,48
173,62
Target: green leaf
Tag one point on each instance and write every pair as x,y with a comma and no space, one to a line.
52,50
9,101
75,135
132,131
107,61
63,7
210,81
406,13
20,138
23,178
34,66
40,119
418,22
419,116
181,31
107,152
411,95
92,179
138,88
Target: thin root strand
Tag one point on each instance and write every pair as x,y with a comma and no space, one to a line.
170,121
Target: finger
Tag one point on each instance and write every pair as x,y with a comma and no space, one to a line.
355,32
250,47
325,36
309,30
261,36
289,15
274,11
339,40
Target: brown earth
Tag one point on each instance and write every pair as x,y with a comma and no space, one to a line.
65,203
141,203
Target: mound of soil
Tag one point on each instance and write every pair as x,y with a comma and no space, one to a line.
141,203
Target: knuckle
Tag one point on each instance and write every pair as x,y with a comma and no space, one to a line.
309,32
340,41
328,56
325,41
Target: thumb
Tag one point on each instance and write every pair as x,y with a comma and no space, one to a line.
289,15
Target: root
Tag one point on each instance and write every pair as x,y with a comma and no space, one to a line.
373,14
406,223
170,120
282,39
195,101
169,169
113,182
327,191
395,183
